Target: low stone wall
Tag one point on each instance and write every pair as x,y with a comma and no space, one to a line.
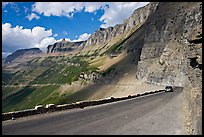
82,104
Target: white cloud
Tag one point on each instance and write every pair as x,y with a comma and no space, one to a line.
57,8
45,42
32,16
93,6
55,35
65,8
118,11
5,54
20,38
84,37
114,12
14,38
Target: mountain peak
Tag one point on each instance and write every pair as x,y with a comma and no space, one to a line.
21,53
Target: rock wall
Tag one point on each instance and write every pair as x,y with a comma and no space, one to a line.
81,104
138,17
172,53
166,44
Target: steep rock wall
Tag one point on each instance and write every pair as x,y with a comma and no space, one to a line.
138,17
172,53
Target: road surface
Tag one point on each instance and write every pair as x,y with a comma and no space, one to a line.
156,114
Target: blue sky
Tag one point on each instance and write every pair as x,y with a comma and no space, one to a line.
38,24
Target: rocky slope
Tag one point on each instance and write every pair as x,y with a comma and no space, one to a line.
22,53
63,46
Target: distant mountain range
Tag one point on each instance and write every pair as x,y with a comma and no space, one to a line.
22,53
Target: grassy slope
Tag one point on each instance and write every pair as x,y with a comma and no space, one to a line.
27,97
42,73
7,91
52,70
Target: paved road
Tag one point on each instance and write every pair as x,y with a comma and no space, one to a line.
156,114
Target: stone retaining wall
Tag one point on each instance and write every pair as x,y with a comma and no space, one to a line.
82,104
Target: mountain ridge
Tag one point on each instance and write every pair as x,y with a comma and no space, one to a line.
106,35
21,53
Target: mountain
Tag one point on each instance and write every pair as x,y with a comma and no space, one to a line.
107,35
137,18
160,44
22,53
63,46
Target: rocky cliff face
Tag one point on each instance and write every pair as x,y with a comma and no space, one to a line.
138,17
105,35
172,52
63,46
22,53
166,36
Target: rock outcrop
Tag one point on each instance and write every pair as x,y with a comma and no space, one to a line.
93,76
63,46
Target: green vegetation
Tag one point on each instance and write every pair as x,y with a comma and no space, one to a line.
51,70
63,73
7,91
27,98
6,77
25,76
48,74
80,95
114,49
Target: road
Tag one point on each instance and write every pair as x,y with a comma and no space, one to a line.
156,114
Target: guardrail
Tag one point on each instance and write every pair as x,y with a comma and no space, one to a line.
82,104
